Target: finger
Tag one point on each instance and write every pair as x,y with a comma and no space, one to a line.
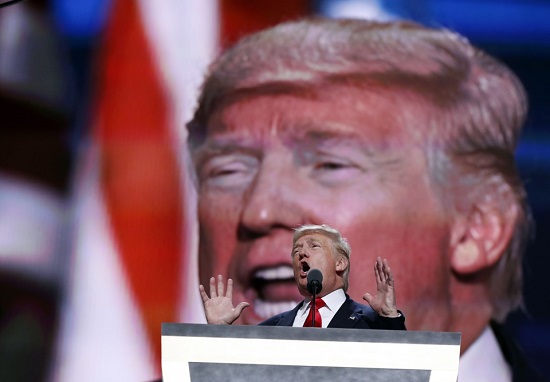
390,279
367,297
229,293
220,286
213,287
383,272
204,296
239,308
236,312
388,273
378,271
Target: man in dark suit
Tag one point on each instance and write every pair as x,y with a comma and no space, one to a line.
323,248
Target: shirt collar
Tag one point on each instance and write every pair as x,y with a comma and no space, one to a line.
333,301
483,361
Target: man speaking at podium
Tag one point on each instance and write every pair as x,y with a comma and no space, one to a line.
321,264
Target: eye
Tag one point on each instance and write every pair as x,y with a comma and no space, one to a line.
331,166
334,170
228,171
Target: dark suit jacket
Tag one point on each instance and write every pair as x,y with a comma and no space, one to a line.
350,315
522,369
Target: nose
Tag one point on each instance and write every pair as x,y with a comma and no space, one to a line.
275,199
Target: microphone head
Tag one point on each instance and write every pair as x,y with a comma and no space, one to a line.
314,281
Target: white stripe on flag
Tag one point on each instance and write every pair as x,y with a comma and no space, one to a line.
184,38
103,337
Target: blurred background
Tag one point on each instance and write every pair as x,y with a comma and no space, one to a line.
97,233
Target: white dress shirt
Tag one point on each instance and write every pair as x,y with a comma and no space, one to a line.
483,361
333,302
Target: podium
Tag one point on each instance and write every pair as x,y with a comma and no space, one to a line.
208,353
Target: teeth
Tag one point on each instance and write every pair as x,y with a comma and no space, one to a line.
275,273
266,309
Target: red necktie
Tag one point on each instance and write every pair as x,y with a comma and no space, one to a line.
319,303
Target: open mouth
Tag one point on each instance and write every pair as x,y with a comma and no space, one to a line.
305,267
276,290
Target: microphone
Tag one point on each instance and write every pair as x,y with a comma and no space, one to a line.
314,281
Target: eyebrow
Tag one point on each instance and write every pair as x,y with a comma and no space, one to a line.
328,143
314,241
328,135
306,134
309,241
310,130
221,146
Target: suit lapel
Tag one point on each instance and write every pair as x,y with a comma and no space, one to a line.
288,319
348,316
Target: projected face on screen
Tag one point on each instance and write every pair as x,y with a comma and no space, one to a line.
345,157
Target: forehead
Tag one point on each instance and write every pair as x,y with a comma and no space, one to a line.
380,117
312,238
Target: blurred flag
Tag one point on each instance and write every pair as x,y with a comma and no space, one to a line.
133,255
134,263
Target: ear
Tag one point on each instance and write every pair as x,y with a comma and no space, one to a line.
479,239
341,264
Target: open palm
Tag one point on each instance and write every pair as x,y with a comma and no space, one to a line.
218,307
384,300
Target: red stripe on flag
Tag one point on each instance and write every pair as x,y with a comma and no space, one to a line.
241,17
139,170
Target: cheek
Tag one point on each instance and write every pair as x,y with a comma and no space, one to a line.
416,253
214,216
218,235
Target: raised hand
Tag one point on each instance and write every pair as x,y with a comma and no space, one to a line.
384,301
219,308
